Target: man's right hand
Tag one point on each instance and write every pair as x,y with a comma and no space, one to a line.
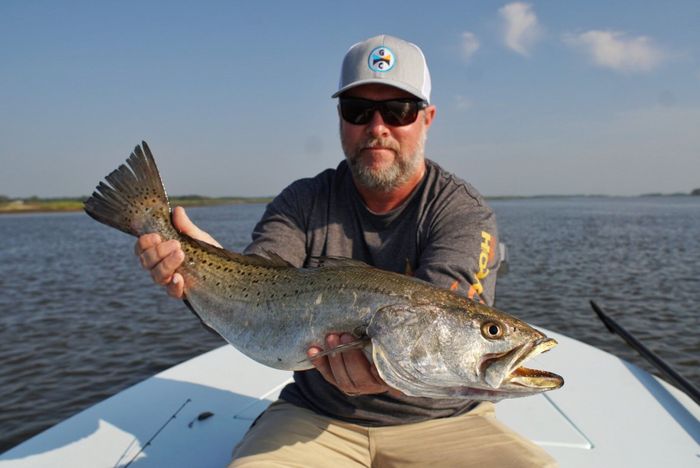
163,258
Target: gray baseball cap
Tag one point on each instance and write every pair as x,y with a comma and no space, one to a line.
387,60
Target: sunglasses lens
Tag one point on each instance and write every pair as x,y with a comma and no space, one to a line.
356,111
398,112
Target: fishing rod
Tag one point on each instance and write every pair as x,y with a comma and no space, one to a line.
666,370
148,442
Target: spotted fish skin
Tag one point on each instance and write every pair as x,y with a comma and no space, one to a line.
424,340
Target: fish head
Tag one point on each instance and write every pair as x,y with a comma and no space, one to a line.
443,351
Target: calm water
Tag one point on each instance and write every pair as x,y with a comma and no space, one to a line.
80,321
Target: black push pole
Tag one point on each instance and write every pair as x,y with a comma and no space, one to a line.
666,370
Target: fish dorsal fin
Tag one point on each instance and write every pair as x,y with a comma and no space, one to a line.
274,260
335,262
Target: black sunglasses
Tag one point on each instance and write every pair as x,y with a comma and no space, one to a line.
395,112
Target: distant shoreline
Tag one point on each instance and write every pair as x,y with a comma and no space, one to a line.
59,205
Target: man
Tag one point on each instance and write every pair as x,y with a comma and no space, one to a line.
387,205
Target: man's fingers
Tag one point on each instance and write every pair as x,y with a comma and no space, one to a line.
392,391
163,272
153,256
176,287
337,365
350,370
321,364
183,224
357,365
145,242
163,258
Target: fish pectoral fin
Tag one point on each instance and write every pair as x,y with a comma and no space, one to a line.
357,344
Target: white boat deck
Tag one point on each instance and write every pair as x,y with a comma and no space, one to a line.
609,414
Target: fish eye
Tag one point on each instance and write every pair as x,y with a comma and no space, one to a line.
492,330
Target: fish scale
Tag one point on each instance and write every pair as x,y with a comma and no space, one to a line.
424,340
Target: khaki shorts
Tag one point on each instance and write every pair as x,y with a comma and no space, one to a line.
288,436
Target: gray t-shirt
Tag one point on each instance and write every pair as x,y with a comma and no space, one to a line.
443,233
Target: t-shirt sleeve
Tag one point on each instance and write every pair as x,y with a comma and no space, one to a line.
460,249
282,228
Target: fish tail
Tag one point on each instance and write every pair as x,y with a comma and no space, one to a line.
133,200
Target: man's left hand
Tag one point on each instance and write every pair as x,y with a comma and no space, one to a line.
350,370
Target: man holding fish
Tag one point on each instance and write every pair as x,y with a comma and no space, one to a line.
388,206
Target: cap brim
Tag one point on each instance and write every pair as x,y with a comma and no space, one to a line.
383,81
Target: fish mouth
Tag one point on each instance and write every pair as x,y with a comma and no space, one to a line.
506,372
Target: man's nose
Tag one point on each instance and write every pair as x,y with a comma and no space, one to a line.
376,126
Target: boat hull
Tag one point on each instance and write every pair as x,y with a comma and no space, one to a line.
610,413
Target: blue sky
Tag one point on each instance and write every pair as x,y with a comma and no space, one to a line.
575,97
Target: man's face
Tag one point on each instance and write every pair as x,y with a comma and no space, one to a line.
381,156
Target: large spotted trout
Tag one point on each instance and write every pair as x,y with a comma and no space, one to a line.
424,340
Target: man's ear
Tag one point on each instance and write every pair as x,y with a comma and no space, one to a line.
429,115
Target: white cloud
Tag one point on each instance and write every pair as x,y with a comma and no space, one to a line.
521,27
470,44
614,50
462,103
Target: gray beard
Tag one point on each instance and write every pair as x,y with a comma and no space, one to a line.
388,179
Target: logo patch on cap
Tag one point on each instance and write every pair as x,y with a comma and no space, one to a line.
381,59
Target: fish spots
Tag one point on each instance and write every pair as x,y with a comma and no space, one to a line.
319,299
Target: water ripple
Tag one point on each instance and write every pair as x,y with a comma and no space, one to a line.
79,321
